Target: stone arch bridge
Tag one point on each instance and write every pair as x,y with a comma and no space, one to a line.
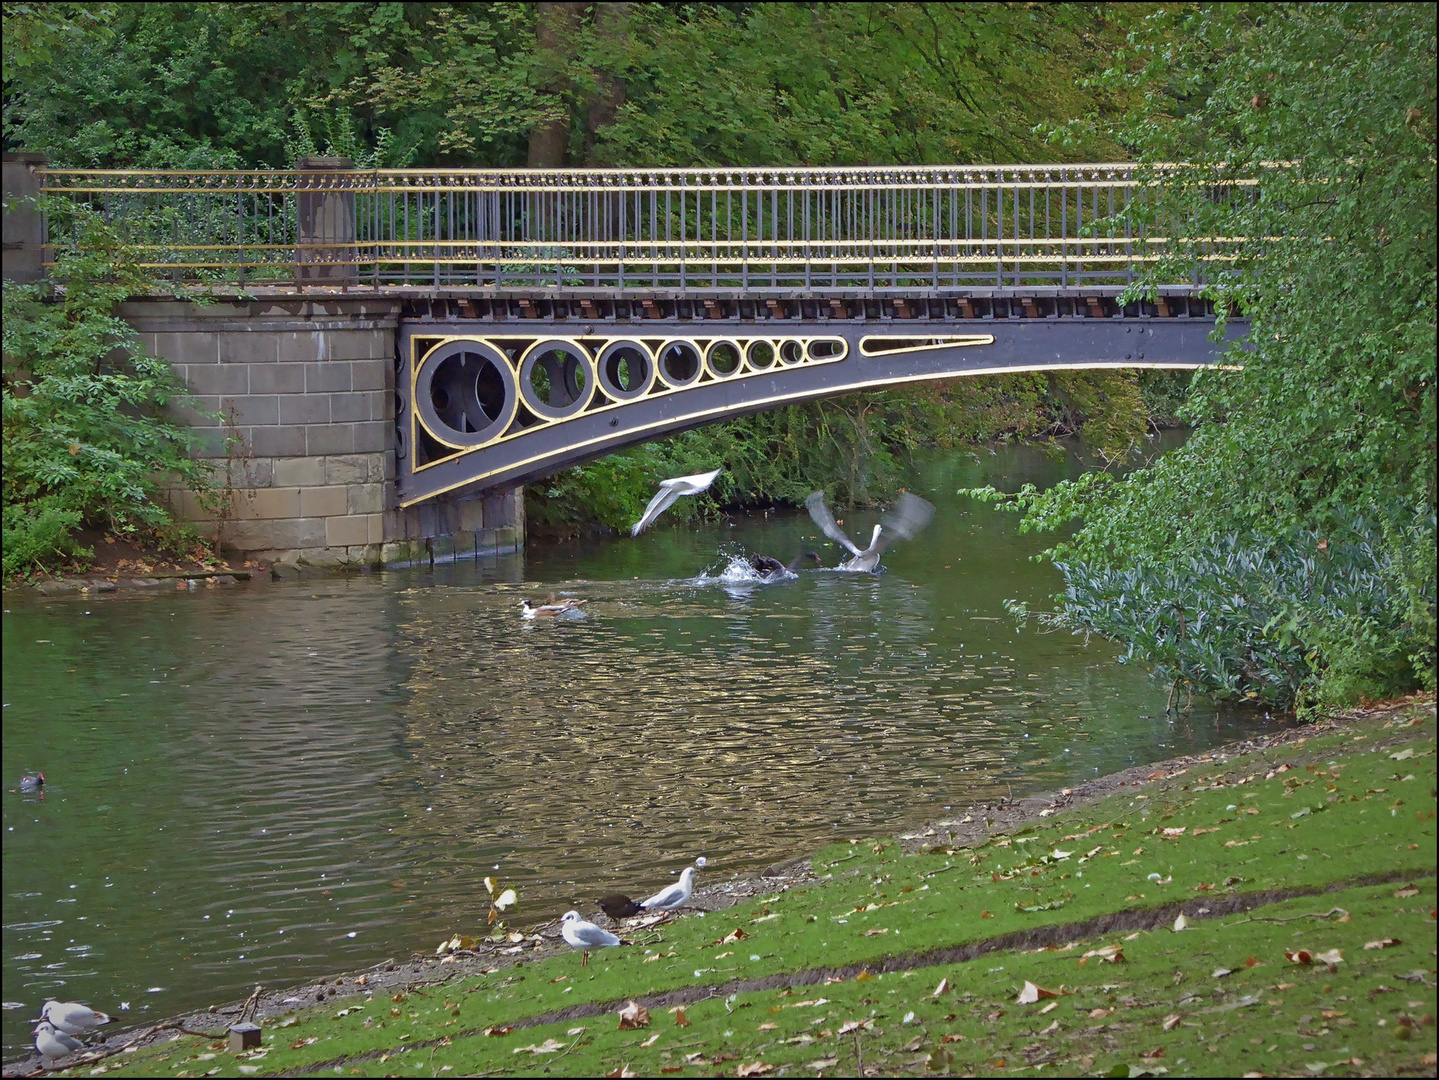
398,350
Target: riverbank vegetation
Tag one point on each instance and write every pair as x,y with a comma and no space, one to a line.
90,441
1268,908
1288,552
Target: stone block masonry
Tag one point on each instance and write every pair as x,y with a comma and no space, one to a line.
305,388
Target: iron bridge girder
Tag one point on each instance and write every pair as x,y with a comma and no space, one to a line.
485,404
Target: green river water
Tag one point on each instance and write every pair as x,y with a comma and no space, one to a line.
268,782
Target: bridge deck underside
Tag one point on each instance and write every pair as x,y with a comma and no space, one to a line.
502,400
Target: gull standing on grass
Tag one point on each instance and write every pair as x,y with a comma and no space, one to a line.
678,894
910,514
670,490
585,935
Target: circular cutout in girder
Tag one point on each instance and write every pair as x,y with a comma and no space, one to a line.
760,355
723,358
465,393
625,370
557,379
679,363
791,352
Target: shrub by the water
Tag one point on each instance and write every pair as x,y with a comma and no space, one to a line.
89,438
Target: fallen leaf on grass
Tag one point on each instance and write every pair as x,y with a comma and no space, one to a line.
575,1031
1219,973
634,1015
854,1025
680,1019
1172,1021
1403,755
1331,956
766,1027
651,1040
1299,956
876,931
1174,832
1382,943
941,988
1049,1008
863,976
952,1037
549,1046
823,1063
985,915
757,1068
1153,1055
734,935
1053,905
913,1044
1407,891
500,1030
1031,993
622,1071
1108,954
1099,1014
1181,923
658,956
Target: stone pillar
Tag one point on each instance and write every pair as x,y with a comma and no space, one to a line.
24,227
327,217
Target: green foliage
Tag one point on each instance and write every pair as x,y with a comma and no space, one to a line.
1307,618
88,437
1330,414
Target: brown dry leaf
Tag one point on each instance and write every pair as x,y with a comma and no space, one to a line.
876,931
952,1037
680,1019
1299,956
757,1068
1153,1055
1031,993
1107,954
634,1015
913,1044
622,1071
1204,886
690,1059
1175,832
941,988
863,976
734,935
500,1030
1099,1014
766,1027
855,1025
1330,956
1407,891
1049,1008
672,1069
1253,961
1382,943
651,1040
362,980
1172,1021
985,915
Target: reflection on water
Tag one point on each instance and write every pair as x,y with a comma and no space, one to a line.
294,779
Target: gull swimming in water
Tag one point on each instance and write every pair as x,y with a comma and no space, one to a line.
71,1017
910,514
52,1043
669,491
585,935
550,608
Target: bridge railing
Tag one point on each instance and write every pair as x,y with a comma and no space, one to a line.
755,231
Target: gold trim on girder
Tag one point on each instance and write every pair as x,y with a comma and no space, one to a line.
962,341
590,347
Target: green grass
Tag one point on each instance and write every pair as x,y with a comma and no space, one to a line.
1343,813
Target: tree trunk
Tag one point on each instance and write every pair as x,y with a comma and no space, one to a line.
611,31
555,48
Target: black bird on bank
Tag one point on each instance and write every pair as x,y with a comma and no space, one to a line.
772,569
619,906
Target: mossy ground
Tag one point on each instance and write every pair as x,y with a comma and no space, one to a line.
1316,845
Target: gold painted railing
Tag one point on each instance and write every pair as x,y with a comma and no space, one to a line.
760,230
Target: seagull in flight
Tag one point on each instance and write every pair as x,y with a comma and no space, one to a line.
910,514
669,491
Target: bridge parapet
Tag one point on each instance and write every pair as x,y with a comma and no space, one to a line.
753,232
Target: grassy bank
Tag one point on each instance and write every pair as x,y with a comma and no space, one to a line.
1304,870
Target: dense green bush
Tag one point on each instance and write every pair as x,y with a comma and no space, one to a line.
1309,619
88,435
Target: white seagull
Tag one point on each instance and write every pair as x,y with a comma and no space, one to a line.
677,895
585,935
910,514
670,490
52,1043
71,1017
